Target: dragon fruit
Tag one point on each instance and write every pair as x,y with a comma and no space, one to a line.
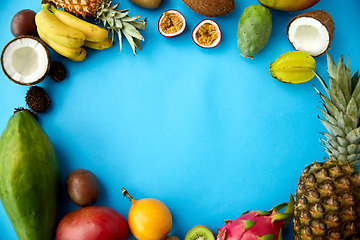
258,225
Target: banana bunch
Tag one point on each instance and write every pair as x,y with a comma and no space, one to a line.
68,35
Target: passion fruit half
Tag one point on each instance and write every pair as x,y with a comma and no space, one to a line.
25,60
171,23
207,34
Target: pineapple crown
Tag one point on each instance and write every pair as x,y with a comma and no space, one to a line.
342,112
118,21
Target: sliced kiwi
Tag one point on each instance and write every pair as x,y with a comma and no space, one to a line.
200,232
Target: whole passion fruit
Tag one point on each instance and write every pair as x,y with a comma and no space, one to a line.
171,23
207,34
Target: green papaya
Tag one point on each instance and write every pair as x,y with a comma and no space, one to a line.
29,178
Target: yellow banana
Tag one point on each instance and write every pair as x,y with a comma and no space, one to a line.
57,31
92,32
60,49
107,43
81,57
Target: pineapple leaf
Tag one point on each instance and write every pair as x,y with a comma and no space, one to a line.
348,70
118,24
332,69
342,142
351,149
323,83
343,80
336,95
129,19
120,40
130,40
354,81
330,150
333,129
131,30
344,123
354,136
137,43
330,107
352,112
327,116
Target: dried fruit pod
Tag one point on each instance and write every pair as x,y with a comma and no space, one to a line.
311,32
171,23
211,8
207,34
293,67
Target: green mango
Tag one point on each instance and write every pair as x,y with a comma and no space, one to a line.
29,178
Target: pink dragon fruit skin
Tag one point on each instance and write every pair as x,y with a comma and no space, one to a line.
257,225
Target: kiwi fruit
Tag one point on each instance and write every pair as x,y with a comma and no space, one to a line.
200,232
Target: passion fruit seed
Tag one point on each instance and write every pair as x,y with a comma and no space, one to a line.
171,23
207,34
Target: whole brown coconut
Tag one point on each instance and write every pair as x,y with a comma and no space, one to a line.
311,32
211,8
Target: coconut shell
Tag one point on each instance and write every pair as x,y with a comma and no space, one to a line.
47,53
211,8
323,17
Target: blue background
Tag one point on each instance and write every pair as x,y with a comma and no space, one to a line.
208,132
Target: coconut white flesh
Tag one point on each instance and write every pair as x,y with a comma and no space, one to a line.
25,60
309,35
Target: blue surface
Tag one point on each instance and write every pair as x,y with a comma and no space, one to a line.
206,131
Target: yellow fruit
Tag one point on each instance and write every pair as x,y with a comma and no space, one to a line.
81,57
148,218
293,67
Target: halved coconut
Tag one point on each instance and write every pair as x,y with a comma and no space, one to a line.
171,23
207,34
211,8
25,60
311,32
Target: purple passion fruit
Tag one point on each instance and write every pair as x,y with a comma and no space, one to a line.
23,23
207,34
171,23
82,187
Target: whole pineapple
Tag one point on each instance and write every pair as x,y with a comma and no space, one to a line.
327,200
114,19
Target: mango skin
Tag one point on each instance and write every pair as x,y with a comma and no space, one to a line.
293,67
286,5
29,178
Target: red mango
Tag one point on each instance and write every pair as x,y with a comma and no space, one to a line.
286,5
93,223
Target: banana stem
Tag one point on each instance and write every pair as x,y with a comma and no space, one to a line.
125,193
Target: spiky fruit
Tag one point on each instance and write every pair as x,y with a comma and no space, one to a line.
255,225
327,200
114,19
254,30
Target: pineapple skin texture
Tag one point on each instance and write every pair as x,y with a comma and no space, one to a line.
327,202
85,8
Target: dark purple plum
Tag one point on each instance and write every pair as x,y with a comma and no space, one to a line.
23,23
